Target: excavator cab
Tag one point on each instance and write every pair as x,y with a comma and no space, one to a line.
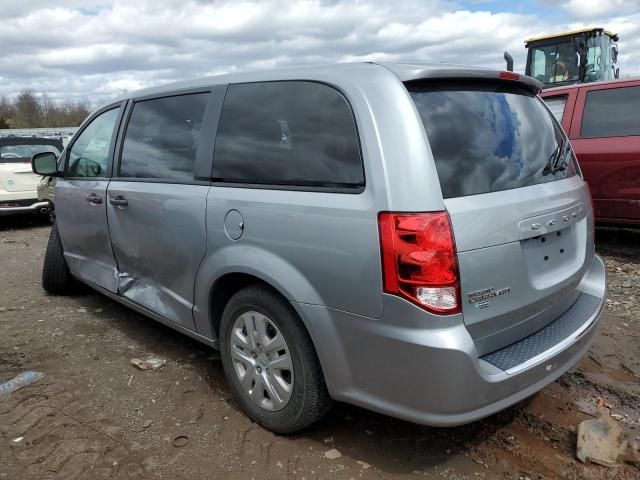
581,56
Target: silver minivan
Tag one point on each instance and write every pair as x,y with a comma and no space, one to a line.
414,239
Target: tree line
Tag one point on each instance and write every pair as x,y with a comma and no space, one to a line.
30,110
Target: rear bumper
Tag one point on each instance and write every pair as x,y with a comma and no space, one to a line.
28,205
429,371
25,202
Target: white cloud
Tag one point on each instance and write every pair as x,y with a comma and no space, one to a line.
121,86
599,8
96,49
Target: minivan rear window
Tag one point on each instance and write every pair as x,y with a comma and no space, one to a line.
489,137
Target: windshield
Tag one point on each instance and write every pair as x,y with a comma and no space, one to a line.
488,137
599,64
559,63
21,153
555,63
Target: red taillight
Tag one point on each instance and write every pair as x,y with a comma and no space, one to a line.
419,259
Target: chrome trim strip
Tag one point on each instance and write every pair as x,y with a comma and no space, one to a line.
558,347
551,222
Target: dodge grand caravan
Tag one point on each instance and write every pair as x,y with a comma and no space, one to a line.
413,239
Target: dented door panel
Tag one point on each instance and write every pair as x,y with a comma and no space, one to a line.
159,240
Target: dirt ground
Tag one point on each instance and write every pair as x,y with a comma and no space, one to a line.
94,415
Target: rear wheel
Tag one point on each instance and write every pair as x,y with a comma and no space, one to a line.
56,278
270,361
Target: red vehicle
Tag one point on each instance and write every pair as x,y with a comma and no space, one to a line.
602,120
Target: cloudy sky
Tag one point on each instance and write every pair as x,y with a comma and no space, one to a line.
99,49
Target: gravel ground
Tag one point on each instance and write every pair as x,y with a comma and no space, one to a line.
94,415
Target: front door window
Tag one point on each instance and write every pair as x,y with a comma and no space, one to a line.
89,153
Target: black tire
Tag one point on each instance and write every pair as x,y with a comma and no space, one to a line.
56,278
310,399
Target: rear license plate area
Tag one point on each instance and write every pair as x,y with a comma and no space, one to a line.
553,256
552,248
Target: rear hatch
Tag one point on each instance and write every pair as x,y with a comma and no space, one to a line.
15,162
16,175
520,211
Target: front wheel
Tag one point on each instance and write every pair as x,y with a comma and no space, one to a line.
56,278
270,361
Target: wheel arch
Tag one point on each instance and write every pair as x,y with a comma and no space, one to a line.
235,267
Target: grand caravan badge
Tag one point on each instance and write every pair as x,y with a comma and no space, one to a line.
481,297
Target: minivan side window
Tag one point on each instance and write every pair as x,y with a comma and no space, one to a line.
89,153
295,133
162,137
611,113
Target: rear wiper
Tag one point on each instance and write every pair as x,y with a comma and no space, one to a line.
557,160
563,161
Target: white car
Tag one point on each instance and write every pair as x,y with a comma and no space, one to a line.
18,183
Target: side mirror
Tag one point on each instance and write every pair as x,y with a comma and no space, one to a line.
614,53
580,45
45,164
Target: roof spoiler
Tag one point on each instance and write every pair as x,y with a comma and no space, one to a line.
529,83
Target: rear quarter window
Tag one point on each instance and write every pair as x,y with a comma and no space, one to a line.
489,137
611,113
293,133
556,105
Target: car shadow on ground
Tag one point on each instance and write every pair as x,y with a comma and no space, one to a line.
393,446
23,221
624,242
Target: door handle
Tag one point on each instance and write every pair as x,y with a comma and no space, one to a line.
94,199
118,201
